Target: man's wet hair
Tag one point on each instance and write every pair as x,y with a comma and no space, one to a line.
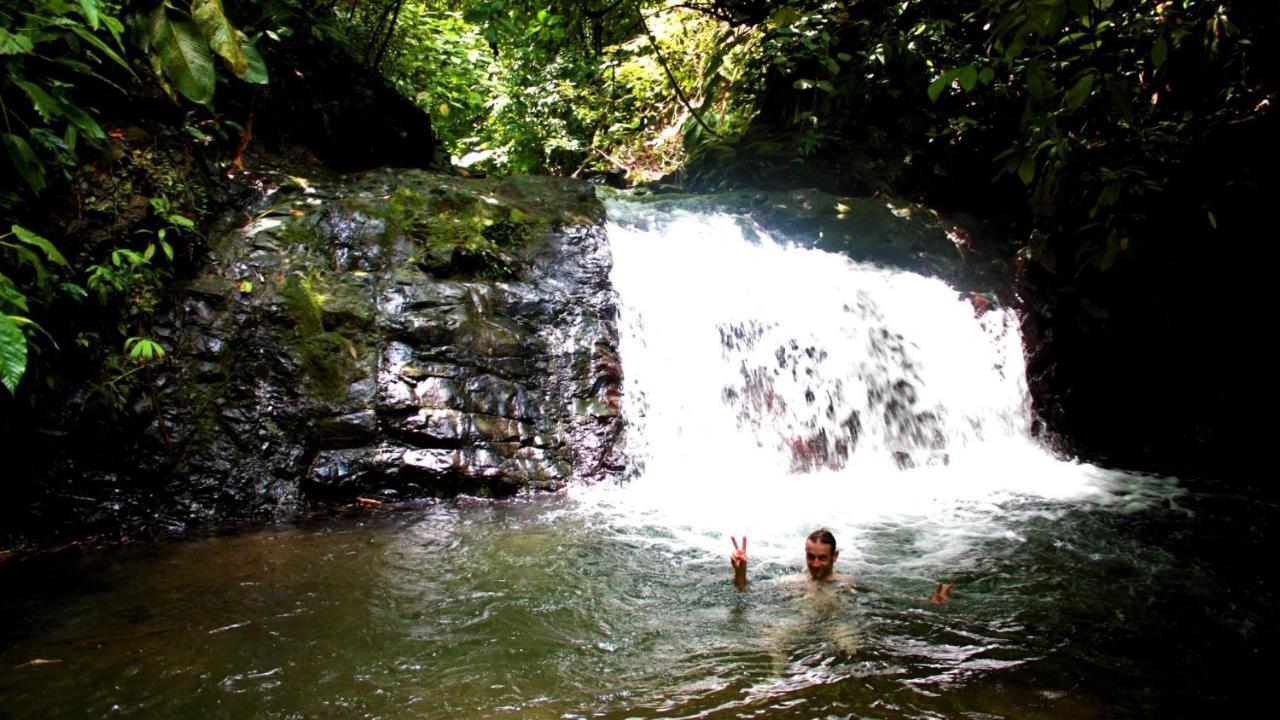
824,537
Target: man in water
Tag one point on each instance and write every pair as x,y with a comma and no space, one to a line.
820,555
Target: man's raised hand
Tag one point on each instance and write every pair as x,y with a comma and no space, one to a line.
739,557
942,594
739,561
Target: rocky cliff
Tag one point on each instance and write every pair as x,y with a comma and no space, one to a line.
389,335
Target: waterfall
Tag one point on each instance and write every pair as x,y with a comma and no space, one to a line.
771,388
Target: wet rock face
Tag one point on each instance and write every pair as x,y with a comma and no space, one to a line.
378,337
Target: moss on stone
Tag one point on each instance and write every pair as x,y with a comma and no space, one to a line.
458,231
303,230
327,358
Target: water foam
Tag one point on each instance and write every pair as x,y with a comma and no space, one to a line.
772,388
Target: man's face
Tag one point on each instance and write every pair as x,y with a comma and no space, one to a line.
820,559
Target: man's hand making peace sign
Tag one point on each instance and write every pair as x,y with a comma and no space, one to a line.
739,561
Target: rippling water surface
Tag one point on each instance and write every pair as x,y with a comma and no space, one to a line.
541,608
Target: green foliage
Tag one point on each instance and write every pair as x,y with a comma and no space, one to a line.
182,45
60,62
1106,95
13,352
223,37
52,51
46,48
563,87
143,350
179,56
1079,108
1083,107
37,269
444,64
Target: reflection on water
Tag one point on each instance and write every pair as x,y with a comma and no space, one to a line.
541,608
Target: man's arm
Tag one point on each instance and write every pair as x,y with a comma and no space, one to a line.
739,561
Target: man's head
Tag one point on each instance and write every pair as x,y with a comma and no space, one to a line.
820,554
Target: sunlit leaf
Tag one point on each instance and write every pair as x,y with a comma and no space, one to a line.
783,17
73,290
13,353
182,56
221,35
143,349
28,257
11,44
940,83
89,8
1027,169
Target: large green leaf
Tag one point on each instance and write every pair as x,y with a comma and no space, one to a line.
1027,169
13,353
43,103
79,117
102,47
182,55
11,44
158,70
35,240
1079,92
12,295
941,83
256,71
220,33
89,8
25,160
55,106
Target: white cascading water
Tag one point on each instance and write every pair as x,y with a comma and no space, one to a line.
771,389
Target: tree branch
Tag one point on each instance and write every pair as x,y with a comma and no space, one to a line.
675,85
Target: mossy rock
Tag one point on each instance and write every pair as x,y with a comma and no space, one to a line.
326,357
